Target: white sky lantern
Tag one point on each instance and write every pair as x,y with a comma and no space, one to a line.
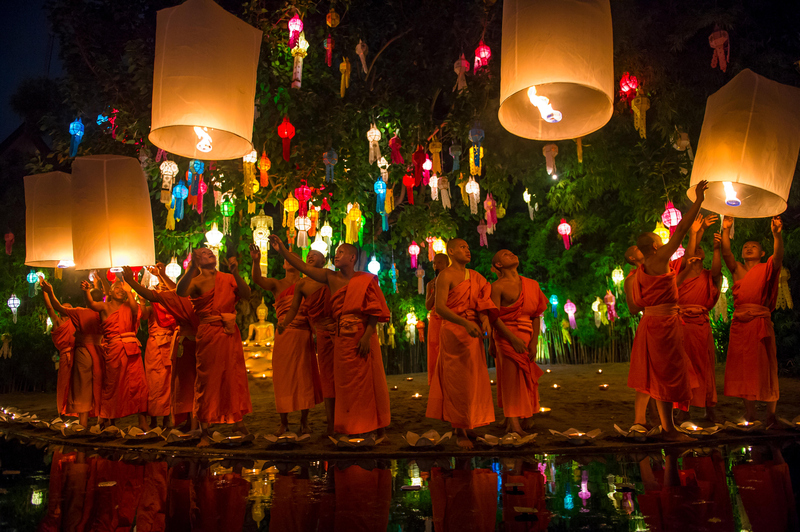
204,82
557,68
748,147
112,224
48,220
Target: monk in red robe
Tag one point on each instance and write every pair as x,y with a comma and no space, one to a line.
357,305
317,308
520,304
169,306
86,379
460,390
751,370
294,361
698,291
221,390
659,365
158,363
440,262
63,335
124,383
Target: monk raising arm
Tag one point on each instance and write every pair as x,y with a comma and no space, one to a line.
659,265
96,306
267,283
50,312
146,293
727,254
242,289
777,235
716,261
321,275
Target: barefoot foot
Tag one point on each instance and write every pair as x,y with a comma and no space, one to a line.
305,429
676,437
464,442
281,430
205,441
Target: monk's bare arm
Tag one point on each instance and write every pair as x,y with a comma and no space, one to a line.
684,273
145,312
50,312
185,283
297,299
131,300
163,277
777,234
87,295
534,343
242,288
667,250
716,261
727,254
633,308
518,345
47,288
146,293
321,275
369,330
430,295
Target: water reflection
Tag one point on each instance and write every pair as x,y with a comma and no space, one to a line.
742,489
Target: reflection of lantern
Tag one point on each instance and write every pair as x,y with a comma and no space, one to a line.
554,305
214,240
13,303
261,225
413,250
570,309
662,231
295,27
482,55
173,270
112,223
374,266
750,139
286,132
671,217
204,81
374,136
617,275
565,51
169,169
564,229
48,220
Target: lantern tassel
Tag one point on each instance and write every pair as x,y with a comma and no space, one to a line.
302,239
170,226
420,281
287,149
455,153
784,294
384,221
572,323
566,241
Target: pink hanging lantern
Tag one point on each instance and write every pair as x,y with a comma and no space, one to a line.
722,53
413,250
483,229
431,252
570,309
564,229
678,254
671,217
482,55
303,194
627,87
611,302
295,27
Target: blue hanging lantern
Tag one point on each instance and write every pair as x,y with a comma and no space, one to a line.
476,137
569,503
32,278
554,305
394,277
179,193
455,153
76,131
194,174
380,203
101,119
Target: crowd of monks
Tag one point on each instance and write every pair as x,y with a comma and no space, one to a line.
327,349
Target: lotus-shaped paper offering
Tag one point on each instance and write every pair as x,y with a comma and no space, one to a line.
695,430
175,435
429,439
793,424
231,441
110,431
135,433
509,440
348,442
71,429
746,426
576,437
287,438
638,432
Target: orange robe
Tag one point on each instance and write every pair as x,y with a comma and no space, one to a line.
112,497
531,495
151,515
158,365
221,391
713,507
124,383
184,362
434,328
362,397
64,339
318,310
85,387
518,375
659,364
464,499
294,362
460,390
696,297
363,498
751,370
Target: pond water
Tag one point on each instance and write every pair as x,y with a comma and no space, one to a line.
711,489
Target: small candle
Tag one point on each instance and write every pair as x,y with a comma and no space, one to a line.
579,434
416,396
409,378
604,387
744,423
356,440
269,344
263,375
256,356
548,370
248,371
394,387
491,382
599,371
556,386
544,410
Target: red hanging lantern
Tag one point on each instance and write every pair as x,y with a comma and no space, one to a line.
628,86
418,158
286,132
564,229
482,55
295,27
303,194
408,181
413,250
264,164
671,217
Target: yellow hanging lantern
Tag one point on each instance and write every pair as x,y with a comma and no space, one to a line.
748,147
204,82
473,168
435,147
290,206
352,224
557,68
639,106
344,68
48,220
662,231
261,225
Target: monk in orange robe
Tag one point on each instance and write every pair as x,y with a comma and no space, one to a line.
460,390
363,499
221,499
221,389
168,307
765,487
531,494
295,503
464,498
357,305
86,379
63,335
440,262
294,362
698,291
659,365
317,308
751,370
520,304
158,363
124,383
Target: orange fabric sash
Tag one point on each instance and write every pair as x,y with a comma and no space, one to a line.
227,320
348,324
694,314
748,312
131,345
667,309
88,339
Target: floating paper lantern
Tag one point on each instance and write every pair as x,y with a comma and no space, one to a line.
554,305
564,229
564,50
413,250
13,303
286,132
173,270
750,139
48,220
374,266
295,27
76,133
204,81
617,276
671,217
112,223
570,309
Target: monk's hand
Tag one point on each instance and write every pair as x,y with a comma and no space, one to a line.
700,190
86,286
276,243
697,225
233,265
727,222
777,225
127,274
473,329
710,220
363,346
255,253
717,241
518,345
692,260
532,352
47,288
281,328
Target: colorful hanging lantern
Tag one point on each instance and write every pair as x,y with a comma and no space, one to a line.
476,137
179,193
473,190
327,232
554,305
380,202
227,208
394,145
173,270
299,52
439,245
76,132
286,132
214,240
611,303
408,181
249,167
431,253
328,50
383,166
329,159
718,41
32,279
570,309
290,206
475,154
550,151
455,153
671,217
490,206
344,68
374,267
444,191
319,244
332,18
352,223
526,196
413,250
617,276
482,55
302,194
433,182
302,223
628,85
374,136
639,106
461,67
435,147
426,169
420,273
680,252
361,52
169,169
483,230
295,27
13,303
564,229
262,225
784,294
394,277
264,164
418,158
596,310
662,231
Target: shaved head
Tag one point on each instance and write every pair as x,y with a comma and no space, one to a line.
646,241
315,253
452,243
350,249
631,254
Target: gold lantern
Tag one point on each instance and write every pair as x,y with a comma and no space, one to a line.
262,225
48,220
204,82
112,224
557,68
748,147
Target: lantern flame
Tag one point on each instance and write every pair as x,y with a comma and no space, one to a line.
545,108
730,195
66,264
204,142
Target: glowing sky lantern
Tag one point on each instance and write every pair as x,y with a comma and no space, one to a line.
564,52
13,304
564,229
617,276
413,250
204,81
570,309
554,305
374,267
295,25
286,132
48,220
671,217
173,270
299,52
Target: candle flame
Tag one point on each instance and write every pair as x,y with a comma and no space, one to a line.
204,142
730,194
543,104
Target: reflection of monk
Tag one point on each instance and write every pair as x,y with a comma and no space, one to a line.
113,494
713,507
294,505
765,488
357,305
63,335
221,502
363,499
530,494
463,499
668,503
440,262
221,390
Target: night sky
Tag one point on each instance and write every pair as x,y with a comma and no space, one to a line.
24,53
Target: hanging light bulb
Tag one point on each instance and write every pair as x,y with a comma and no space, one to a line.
730,195
543,104
173,270
374,266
